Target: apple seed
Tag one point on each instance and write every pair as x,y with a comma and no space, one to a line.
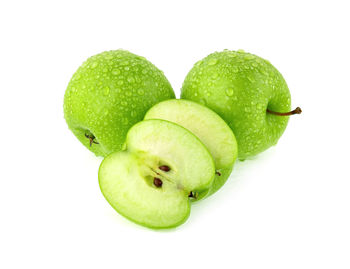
164,168
157,182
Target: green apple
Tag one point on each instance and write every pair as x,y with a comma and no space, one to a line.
152,181
108,94
247,92
212,130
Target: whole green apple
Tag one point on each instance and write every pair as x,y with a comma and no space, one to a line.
108,94
248,92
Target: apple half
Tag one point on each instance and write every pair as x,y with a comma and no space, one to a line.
209,127
153,180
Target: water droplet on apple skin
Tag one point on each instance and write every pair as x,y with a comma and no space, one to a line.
116,72
106,90
212,61
229,92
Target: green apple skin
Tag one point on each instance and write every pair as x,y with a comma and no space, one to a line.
240,87
108,94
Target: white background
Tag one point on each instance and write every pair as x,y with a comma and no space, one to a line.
287,208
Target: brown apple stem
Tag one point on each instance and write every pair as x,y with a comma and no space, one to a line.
293,112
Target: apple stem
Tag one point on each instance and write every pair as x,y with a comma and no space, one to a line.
218,173
293,112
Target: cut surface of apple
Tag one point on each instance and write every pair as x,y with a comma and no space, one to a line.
151,181
209,127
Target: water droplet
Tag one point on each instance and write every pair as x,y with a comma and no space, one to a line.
125,121
198,63
106,112
249,57
106,90
240,51
120,82
215,75
133,114
235,69
229,92
247,109
130,79
140,91
250,79
116,72
203,101
259,106
128,93
144,71
212,61
124,103
108,56
94,64
126,68
232,54
195,94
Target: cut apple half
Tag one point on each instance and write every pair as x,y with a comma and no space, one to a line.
209,127
153,180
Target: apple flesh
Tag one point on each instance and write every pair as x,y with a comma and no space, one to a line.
108,94
248,92
153,180
209,127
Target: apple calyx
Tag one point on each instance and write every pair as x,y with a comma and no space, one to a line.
193,195
91,139
293,112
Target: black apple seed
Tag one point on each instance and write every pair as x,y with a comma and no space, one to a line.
157,182
164,168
